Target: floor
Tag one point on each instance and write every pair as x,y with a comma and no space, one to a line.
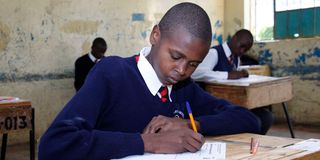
21,151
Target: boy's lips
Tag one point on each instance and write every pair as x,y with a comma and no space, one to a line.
172,80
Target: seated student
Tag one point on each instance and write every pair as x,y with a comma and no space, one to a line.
222,62
118,111
84,63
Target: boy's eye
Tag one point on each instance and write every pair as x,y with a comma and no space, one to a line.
194,64
175,57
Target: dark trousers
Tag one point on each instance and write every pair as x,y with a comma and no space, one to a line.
266,117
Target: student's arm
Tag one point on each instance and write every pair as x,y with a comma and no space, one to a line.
220,117
213,116
204,71
72,135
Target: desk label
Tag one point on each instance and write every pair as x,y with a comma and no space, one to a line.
14,118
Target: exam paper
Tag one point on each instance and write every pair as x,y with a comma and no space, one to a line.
308,145
246,81
209,151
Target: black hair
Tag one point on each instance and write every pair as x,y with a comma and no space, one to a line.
100,43
190,16
243,33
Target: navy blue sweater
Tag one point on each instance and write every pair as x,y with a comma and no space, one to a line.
105,118
223,62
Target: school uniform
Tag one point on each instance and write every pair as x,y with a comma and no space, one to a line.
82,67
216,64
105,118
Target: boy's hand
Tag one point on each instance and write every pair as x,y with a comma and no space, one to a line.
238,74
175,141
163,124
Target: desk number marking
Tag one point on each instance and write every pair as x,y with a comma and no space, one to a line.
13,123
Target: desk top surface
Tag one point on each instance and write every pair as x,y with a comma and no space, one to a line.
238,147
252,80
13,101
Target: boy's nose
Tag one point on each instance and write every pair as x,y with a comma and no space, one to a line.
181,68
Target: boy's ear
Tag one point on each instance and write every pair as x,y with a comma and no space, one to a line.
155,35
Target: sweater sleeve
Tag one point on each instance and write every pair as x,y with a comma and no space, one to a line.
72,134
220,117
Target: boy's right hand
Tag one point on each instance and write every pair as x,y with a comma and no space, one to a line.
174,141
238,74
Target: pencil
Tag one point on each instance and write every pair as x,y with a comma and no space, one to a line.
193,124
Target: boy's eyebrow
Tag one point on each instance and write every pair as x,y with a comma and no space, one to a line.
183,55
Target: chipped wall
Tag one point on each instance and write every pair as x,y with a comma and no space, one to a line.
300,59
41,39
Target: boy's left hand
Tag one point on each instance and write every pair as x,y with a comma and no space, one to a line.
161,124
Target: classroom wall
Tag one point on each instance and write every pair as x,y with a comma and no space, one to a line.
300,59
233,17
41,39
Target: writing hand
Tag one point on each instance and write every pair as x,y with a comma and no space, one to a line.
238,74
174,141
161,124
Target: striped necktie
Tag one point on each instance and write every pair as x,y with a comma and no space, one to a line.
164,94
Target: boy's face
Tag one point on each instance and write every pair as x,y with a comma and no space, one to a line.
175,56
240,46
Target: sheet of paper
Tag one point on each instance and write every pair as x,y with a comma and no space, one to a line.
8,99
308,145
246,81
209,151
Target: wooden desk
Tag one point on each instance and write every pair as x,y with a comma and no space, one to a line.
259,92
238,147
16,116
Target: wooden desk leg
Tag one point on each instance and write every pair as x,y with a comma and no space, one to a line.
31,139
284,105
4,146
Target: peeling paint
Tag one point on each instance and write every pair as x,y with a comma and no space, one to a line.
309,72
265,57
302,58
4,36
218,24
218,38
137,17
80,27
7,77
144,34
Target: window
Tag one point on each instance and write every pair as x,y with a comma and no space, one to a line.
261,19
296,18
281,19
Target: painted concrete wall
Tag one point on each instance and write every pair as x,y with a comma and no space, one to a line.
233,17
41,39
299,59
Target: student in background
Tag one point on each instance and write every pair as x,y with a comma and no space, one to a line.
84,63
127,106
222,62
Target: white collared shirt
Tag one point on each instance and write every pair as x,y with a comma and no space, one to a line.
149,74
93,59
204,71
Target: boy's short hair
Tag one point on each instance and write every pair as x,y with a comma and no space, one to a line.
190,16
99,42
